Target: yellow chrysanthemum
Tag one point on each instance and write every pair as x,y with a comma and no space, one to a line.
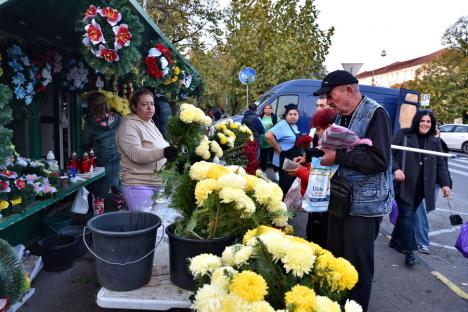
300,298
277,206
243,255
176,70
298,259
349,275
230,194
216,149
216,171
323,261
352,306
249,286
4,205
237,170
246,203
203,189
280,220
222,138
266,192
203,264
234,125
208,299
325,304
229,133
203,150
199,170
262,229
288,229
207,121
276,244
16,201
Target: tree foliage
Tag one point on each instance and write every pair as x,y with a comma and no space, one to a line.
446,78
280,39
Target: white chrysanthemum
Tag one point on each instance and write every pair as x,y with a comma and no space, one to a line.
203,264
233,303
299,258
231,180
185,106
237,170
227,257
207,121
229,194
352,306
243,255
260,306
325,304
277,206
198,171
208,299
221,277
280,221
203,150
215,148
247,204
275,243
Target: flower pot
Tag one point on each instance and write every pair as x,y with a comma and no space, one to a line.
181,249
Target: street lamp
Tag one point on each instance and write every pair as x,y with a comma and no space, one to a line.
382,54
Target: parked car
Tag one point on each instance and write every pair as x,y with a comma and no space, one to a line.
455,136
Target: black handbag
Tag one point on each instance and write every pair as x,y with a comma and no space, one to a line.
455,219
341,196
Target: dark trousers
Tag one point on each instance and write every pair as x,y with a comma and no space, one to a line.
353,239
317,228
403,233
266,154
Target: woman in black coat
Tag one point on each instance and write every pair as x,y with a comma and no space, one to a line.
416,175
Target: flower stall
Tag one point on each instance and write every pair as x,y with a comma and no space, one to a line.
52,53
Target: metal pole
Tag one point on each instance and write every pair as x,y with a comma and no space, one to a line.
423,151
247,98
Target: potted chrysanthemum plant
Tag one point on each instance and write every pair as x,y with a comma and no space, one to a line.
217,204
272,271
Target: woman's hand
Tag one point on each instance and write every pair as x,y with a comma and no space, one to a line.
299,160
293,172
446,191
399,175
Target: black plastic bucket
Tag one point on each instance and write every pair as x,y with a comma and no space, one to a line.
123,244
181,249
55,222
77,231
57,252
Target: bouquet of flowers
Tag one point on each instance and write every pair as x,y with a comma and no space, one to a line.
186,133
238,144
220,201
272,271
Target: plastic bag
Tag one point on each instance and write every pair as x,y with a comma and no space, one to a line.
80,203
338,137
293,198
462,240
317,195
393,216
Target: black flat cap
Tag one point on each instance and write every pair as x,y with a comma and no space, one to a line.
335,79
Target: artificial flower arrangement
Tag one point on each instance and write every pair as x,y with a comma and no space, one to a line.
159,64
23,74
119,104
272,271
223,201
111,37
237,143
21,181
75,75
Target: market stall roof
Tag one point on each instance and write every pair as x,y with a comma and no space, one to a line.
54,22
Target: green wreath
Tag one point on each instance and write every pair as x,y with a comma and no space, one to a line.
111,37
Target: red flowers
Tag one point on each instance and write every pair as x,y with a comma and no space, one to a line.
91,12
304,141
113,16
94,33
165,51
250,151
107,54
4,186
122,36
152,68
20,184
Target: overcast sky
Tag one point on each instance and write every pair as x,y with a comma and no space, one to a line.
405,29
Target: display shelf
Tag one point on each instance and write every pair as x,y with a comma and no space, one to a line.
41,204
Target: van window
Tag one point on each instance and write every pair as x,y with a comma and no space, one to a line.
282,101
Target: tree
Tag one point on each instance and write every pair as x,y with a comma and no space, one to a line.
186,22
280,39
446,78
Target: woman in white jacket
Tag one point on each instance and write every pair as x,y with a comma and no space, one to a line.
143,151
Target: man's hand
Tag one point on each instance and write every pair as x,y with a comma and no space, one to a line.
399,175
328,158
292,172
446,191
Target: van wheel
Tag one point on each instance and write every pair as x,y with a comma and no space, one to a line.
465,147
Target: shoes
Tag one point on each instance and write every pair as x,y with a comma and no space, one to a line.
409,258
277,176
424,249
395,245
